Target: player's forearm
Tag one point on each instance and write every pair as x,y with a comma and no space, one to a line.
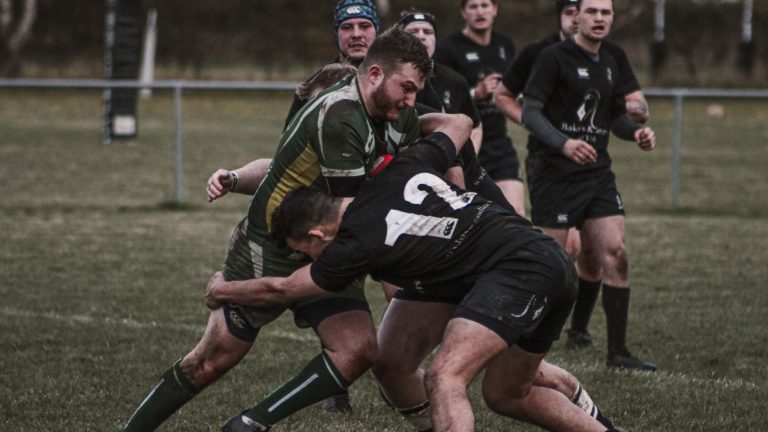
251,175
507,103
432,121
533,118
624,127
264,291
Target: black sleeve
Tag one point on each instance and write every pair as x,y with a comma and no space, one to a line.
517,74
466,106
544,76
624,127
340,263
533,118
627,80
435,151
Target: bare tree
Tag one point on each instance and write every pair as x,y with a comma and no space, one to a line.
15,30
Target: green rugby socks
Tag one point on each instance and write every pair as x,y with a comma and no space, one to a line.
318,380
170,394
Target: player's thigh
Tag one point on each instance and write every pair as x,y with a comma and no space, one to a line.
466,348
410,330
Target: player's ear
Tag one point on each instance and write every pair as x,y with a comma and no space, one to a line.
375,74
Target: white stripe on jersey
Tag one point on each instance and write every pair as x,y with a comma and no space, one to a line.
331,172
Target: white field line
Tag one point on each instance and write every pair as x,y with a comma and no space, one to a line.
305,336
678,377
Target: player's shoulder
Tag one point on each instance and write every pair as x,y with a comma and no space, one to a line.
500,39
449,75
613,49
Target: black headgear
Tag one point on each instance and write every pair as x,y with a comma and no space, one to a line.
562,4
413,16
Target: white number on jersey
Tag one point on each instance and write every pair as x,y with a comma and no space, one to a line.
399,222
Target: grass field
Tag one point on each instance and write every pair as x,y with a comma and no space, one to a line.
101,276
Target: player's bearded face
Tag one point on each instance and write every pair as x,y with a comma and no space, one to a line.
396,92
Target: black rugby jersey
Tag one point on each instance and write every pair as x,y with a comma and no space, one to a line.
517,75
581,97
474,61
447,90
409,227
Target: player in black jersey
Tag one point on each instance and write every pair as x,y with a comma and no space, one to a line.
481,55
506,98
573,100
410,227
446,90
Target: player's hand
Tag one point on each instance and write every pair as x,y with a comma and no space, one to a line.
219,184
645,138
580,152
210,291
487,86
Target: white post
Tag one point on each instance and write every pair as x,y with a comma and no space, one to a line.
148,53
658,33
746,23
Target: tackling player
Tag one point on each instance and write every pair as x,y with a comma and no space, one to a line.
332,145
409,227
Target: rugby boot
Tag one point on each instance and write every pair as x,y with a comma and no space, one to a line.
337,404
626,360
243,423
578,339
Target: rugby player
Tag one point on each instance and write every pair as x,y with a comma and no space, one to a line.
574,98
515,285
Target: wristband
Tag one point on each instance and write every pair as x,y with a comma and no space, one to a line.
233,179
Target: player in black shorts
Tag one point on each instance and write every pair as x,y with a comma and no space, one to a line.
506,98
573,100
481,55
409,227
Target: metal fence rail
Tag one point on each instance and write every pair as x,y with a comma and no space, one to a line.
677,94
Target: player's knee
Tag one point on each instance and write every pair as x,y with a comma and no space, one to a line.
360,352
617,259
202,371
504,399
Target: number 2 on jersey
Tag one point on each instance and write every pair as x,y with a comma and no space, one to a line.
415,191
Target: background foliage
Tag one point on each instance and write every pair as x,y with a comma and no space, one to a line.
284,39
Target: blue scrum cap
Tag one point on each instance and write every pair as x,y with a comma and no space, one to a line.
348,9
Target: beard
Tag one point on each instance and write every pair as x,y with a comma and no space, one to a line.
386,108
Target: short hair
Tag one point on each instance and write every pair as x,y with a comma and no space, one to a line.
396,47
329,75
464,3
300,210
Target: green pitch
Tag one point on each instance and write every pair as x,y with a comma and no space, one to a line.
101,277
